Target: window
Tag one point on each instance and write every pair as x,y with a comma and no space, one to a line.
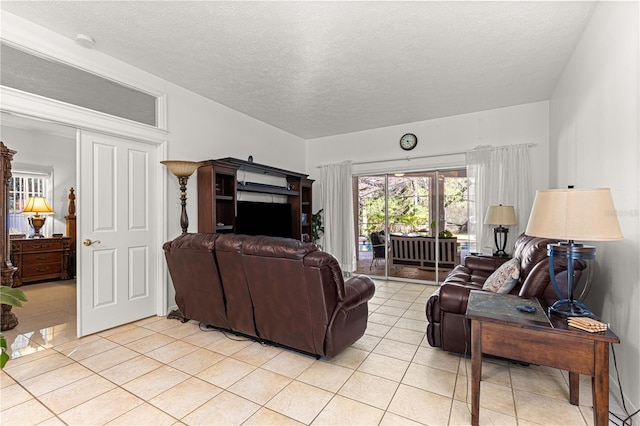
23,185
423,205
55,80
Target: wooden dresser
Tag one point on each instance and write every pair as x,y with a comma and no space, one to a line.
39,259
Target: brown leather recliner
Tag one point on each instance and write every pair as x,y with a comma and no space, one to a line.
449,329
191,259
238,298
275,289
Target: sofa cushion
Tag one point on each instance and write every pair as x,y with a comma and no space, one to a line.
505,278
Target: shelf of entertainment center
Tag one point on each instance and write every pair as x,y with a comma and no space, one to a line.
265,188
261,169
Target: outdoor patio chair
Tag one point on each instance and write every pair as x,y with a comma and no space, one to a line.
378,246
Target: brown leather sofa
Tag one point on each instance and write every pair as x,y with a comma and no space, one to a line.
446,308
272,289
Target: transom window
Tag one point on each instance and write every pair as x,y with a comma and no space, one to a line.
55,80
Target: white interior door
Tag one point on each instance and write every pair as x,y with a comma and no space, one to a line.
117,278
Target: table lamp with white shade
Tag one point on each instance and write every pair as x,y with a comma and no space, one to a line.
572,215
502,216
37,205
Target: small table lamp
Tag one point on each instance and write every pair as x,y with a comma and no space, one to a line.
500,215
572,214
37,205
182,170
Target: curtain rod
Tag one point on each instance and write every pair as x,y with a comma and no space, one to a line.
407,158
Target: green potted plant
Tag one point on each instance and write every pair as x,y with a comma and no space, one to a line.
12,297
445,233
317,228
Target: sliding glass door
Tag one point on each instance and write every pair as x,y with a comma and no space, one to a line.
412,226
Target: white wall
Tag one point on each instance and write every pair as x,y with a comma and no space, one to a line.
197,128
594,123
45,151
200,129
519,124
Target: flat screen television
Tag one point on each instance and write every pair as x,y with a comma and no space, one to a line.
257,218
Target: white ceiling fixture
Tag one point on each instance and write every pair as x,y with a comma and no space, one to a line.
322,68
85,40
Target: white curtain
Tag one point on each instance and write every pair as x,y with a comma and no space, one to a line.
336,190
500,175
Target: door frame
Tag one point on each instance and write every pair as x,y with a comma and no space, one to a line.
43,109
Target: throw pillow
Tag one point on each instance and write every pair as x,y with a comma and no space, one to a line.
505,278
508,286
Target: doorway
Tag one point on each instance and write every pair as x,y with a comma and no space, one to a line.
412,226
41,139
43,149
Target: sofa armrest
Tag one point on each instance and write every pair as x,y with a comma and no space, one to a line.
454,297
359,289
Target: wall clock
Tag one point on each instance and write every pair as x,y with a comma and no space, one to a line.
408,141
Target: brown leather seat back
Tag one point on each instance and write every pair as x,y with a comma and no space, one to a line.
530,251
234,282
194,272
279,290
534,268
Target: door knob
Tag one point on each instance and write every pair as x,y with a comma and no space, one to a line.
88,242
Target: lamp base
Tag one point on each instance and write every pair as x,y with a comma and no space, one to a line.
37,222
500,238
566,308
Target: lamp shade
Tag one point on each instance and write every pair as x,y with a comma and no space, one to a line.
574,214
38,205
181,168
500,215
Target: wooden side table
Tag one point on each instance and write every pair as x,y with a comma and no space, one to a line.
499,329
39,259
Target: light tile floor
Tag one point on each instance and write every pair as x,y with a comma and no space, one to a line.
158,371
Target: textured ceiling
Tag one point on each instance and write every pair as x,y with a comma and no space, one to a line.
321,68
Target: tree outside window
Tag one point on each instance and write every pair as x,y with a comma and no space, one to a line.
412,203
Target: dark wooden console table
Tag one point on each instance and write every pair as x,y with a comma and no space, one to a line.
499,329
39,259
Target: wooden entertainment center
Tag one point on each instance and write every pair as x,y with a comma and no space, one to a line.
218,188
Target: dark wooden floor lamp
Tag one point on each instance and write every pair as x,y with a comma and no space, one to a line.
182,170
